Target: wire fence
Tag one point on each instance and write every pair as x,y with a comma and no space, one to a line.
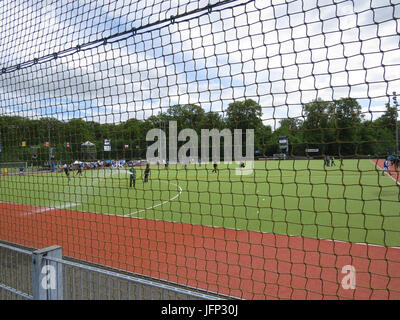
15,273
78,280
247,148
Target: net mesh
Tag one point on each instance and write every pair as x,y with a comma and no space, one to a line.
312,212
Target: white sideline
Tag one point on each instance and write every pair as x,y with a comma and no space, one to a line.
302,237
62,206
46,209
389,175
73,204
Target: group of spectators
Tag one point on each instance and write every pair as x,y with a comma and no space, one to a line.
95,164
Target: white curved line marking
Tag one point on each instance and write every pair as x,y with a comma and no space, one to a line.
159,204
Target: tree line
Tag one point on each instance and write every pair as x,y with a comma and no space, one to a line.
336,128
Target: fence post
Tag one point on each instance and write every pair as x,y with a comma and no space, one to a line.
47,274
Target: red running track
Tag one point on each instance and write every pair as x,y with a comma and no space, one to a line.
245,264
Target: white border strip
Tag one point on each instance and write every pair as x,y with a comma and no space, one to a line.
46,209
389,175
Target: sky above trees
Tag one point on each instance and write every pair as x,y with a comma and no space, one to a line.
281,54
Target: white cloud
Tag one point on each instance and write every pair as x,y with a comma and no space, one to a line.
262,50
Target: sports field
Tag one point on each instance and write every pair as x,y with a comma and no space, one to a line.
284,232
351,201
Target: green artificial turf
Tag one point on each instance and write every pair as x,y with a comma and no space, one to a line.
350,202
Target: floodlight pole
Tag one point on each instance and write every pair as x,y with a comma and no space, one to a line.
397,125
48,127
162,127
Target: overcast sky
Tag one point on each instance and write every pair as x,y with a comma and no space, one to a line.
280,53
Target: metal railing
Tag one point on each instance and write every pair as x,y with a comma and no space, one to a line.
15,273
45,275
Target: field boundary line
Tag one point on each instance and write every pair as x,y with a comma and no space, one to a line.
219,227
378,166
303,237
46,209
159,204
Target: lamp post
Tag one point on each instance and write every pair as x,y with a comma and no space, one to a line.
397,129
163,127
48,128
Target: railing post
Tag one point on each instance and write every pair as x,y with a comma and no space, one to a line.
46,274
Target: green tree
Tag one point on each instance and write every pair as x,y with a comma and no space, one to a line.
247,115
78,132
244,115
212,120
317,127
347,119
292,128
187,116
264,141
369,145
385,131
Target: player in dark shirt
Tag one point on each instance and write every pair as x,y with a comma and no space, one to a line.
147,173
132,179
66,170
79,170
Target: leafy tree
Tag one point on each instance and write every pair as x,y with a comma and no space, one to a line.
212,120
335,127
317,127
347,118
385,131
244,115
388,119
187,116
293,129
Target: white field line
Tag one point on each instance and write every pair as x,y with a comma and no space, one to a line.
159,204
308,238
288,235
110,173
292,236
234,229
62,206
388,174
46,209
14,203
394,179
217,227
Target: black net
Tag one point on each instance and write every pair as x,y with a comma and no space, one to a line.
305,205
